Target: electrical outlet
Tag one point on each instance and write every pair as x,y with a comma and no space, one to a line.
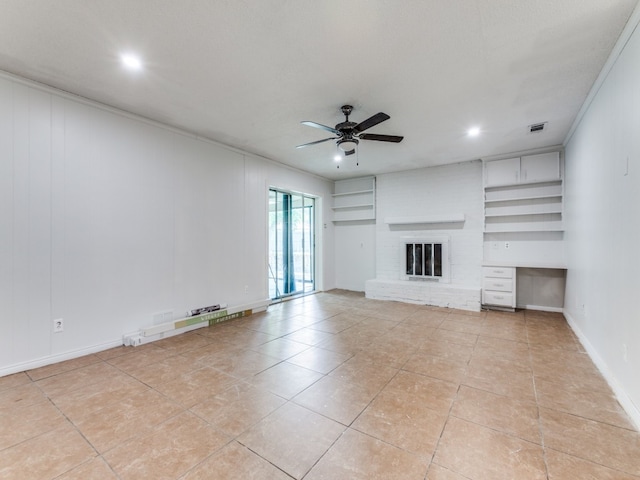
506,245
58,325
246,289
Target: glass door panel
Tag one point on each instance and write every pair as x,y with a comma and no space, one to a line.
291,244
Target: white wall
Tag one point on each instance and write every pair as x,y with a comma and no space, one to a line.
371,249
106,220
442,190
355,254
603,226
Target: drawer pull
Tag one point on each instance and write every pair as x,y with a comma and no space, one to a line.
498,271
499,284
498,297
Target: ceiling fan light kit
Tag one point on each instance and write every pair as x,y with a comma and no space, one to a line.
348,134
348,145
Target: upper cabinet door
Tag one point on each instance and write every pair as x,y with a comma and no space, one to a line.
540,168
502,172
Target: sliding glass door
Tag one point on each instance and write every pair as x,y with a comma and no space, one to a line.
291,244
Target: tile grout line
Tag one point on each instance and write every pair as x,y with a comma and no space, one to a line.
532,335
535,393
75,427
265,459
449,415
348,427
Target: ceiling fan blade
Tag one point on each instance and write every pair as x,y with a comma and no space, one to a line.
317,141
380,138
350,152
323,127
371,122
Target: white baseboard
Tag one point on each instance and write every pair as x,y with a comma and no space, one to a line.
541,308
60,357
136,339
258,306
165,330
627,404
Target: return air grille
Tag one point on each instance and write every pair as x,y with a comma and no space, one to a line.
537,127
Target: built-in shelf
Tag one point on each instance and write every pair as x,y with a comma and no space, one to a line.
523,215
354,199
352,193
520,191
524,227
523,206
522,209
342,207
430,219
519,198
500,215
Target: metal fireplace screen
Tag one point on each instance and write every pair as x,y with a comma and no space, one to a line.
424,260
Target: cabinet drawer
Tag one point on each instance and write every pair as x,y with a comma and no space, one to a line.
498,284
497,298
499,272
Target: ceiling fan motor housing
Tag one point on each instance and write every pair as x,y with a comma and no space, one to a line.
346,127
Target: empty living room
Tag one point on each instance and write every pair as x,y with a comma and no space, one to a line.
319,240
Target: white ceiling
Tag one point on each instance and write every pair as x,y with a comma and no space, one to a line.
247,72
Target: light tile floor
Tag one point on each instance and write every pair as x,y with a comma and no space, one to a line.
329,386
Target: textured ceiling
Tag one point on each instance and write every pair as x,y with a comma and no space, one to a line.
247,72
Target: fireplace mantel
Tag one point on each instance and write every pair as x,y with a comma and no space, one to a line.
427,219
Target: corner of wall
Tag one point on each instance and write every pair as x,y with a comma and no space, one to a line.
625,401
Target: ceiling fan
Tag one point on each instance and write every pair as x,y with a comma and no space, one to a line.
348,134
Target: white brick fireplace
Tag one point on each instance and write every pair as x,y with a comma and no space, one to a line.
434,206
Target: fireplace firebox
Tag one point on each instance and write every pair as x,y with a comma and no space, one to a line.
426,259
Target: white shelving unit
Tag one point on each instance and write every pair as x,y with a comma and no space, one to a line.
523,232
523,209
354,199
532,207
524,194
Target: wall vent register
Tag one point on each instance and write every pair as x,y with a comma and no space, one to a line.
537,127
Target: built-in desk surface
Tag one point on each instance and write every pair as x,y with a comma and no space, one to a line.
525,265
529,285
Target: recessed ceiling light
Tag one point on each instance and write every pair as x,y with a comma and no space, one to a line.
474,132
130,61
337,158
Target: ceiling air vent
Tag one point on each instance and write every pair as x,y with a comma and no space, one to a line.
537,127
